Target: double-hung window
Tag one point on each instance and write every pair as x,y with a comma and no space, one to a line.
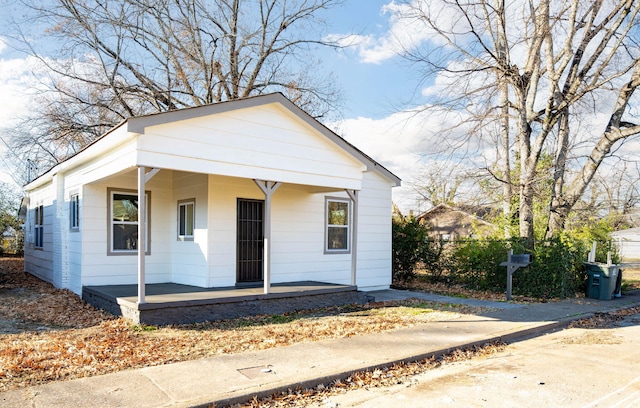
38,227
337,231
186,219
123,222
74,212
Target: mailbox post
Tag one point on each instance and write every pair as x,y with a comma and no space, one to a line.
514,262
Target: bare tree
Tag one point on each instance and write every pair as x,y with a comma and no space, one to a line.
9,206
549,59
440,183
615,194
116,59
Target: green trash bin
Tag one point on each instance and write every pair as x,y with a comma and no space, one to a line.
601,280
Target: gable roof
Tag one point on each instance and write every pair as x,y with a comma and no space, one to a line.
474,212
138,124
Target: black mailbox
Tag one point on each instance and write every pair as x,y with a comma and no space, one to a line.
521,258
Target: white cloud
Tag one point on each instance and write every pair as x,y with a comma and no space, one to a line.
407,30
404,142
19,81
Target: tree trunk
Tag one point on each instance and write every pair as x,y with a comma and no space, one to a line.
503,144
558,211
527,176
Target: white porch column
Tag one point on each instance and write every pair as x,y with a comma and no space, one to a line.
268,188
143,177
353,195
142,233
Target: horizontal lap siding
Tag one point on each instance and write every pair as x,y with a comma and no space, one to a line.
39,262
223,195
374,230
101,269
189,261
298,239
297,244
270,144
73,185
120,158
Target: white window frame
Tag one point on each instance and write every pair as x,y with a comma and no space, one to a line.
183,235
74,212
110,223
38,227
327,226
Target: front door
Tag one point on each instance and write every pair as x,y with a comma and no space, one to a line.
250,241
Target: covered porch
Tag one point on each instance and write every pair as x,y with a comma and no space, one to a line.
172,303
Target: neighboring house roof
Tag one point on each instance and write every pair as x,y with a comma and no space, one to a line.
137,125
10,232
631,232
450,223
475,212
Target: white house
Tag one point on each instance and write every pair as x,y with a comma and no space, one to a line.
628,242
240,192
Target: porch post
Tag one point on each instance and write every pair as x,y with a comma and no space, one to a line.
142,239
268,188
143,177
353,195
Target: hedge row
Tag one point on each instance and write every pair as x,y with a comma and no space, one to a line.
556,271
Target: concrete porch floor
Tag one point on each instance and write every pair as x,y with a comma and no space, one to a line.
172,303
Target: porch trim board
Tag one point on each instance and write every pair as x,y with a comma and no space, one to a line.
171,303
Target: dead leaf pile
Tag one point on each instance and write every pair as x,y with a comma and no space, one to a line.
70,339
420,283
25,298
605,320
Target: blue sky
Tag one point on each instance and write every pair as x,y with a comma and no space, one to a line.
373,81
370,89
378,89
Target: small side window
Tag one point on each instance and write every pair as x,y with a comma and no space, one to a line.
74,212
38,241
186,219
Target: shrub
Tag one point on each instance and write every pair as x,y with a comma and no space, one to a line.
412,246
556,270
476,264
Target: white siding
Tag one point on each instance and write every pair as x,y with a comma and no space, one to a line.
189,260
73,185
210,259
299,239
374,230
223,195
251,143
213,160
39,261
297,234
628,243
102,269
60,234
